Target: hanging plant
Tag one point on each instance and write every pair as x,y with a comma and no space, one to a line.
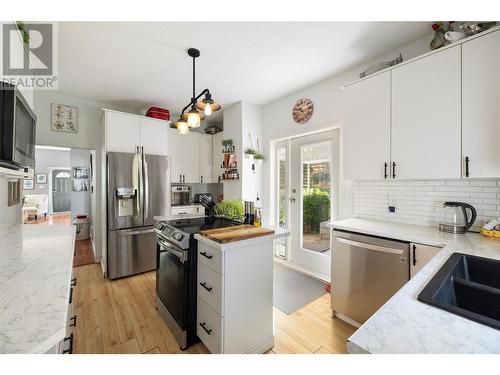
259,158
25,35
250,153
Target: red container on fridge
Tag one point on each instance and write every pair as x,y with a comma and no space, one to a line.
158,113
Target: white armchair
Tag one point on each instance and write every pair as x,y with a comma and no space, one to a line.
35,204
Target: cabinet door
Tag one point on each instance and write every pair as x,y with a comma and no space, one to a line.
481,106
426,117
420,255
216,156
190,163
175,153
154,136
366,128
205,156
122,132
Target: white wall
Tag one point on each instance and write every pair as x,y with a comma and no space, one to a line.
46,159
252,124
240,120
327,99
420,202
233,130
89,117
80,200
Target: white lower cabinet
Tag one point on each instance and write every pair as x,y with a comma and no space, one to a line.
235,298
420,255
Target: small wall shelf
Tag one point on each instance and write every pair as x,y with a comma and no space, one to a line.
13,173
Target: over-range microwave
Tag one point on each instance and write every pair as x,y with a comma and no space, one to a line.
17,129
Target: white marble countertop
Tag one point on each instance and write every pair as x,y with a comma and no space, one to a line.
36,263
278,232
406,325
178,217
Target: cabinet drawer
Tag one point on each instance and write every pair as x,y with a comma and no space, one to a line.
187,210
210,288
209,327
210,257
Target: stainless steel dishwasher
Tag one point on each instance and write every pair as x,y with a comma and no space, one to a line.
366,272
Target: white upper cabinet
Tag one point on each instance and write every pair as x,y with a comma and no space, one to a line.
190,157
184,157
175,156
217,155
132,133
426,117
481,106
154,136
122,132
366,128
205,157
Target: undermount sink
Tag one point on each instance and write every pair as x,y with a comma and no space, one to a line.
468,286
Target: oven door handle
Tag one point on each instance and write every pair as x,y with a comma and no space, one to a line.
165,247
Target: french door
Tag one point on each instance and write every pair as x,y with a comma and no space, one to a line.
313,200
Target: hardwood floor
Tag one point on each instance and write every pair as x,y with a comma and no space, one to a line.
119,317
58,219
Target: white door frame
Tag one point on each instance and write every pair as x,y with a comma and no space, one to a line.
343,190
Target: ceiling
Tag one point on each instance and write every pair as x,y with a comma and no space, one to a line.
139,64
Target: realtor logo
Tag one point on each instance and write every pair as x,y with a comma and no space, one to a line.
29,55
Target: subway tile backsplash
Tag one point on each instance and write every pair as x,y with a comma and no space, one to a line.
420,201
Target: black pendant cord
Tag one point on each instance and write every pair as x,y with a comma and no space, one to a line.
193,100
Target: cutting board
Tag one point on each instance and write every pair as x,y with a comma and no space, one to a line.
236,233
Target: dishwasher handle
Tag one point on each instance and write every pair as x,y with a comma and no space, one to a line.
369,246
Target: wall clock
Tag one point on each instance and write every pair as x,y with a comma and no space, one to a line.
302,110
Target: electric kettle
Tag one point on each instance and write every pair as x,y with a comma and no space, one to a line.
454,218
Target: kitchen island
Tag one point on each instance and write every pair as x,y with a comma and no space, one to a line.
235,294
36,263
405,325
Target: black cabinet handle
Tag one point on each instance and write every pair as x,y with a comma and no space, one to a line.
204,253
208,331
73,321
70,346
71,296
204,285
73,282
385,170
183,178
414,255
466,166
393,169
136,149
201,179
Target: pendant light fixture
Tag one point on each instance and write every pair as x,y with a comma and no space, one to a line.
193,117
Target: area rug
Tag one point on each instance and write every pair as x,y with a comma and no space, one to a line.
293,290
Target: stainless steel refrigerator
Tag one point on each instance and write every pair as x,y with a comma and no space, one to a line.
137,188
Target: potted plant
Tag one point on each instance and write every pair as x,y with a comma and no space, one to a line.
259,158
228,145
250,153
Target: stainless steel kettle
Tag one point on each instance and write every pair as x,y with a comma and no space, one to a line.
454,218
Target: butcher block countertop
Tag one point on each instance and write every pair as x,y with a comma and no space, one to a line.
236,233
273,233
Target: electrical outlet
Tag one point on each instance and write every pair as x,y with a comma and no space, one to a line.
391,203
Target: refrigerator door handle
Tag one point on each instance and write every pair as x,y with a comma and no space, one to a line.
146,189
134,232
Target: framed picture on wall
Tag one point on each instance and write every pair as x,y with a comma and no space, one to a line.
41,178
80,185
80,172
64,118
28,184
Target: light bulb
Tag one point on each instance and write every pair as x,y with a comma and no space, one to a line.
193,119
208,109
182,128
